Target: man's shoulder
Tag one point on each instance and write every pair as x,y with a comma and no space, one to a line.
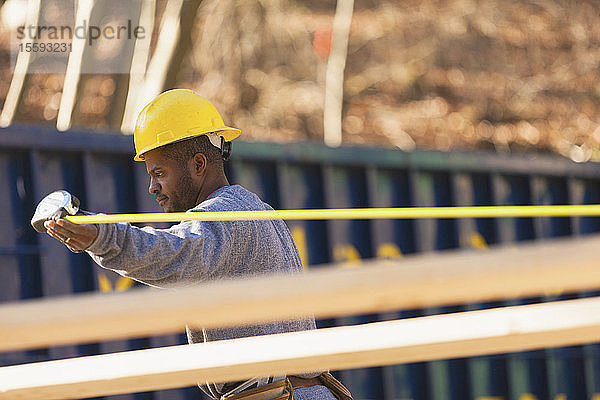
231,198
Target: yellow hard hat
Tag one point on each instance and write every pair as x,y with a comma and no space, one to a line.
176,115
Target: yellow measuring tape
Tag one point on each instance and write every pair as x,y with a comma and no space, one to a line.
349,213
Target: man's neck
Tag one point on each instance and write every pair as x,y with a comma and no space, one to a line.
210,187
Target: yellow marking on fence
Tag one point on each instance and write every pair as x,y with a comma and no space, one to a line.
103,283
299,236
105,286
347,254
349,213
478,241
123,284
389,250
527,396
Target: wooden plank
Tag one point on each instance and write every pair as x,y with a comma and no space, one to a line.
426,281
428,338
162,58
137,72
73,73
21,70
184,45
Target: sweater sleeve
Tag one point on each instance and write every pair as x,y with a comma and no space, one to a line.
188,252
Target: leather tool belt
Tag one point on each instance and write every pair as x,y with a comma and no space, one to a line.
284,389
280,390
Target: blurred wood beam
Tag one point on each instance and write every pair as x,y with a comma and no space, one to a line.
430,280
139,62
73,74
184,44
334,76
158,68
144,17
11,104
466,334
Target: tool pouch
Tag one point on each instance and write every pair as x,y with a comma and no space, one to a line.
280,390
336,387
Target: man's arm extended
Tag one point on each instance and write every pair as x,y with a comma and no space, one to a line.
189,251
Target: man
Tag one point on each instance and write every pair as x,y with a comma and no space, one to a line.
183,141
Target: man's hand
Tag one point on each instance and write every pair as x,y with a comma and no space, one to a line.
75,237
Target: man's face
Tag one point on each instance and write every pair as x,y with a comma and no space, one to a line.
170,183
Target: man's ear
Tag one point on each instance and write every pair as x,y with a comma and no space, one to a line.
200,163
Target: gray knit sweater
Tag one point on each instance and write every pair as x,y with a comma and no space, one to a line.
194,251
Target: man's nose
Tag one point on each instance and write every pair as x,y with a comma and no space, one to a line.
154,187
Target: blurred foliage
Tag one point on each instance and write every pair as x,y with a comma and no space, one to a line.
448,74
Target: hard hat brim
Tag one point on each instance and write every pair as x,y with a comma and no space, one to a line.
228,134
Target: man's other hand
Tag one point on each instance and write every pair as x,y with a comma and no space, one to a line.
75,237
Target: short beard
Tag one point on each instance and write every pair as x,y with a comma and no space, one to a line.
186,195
